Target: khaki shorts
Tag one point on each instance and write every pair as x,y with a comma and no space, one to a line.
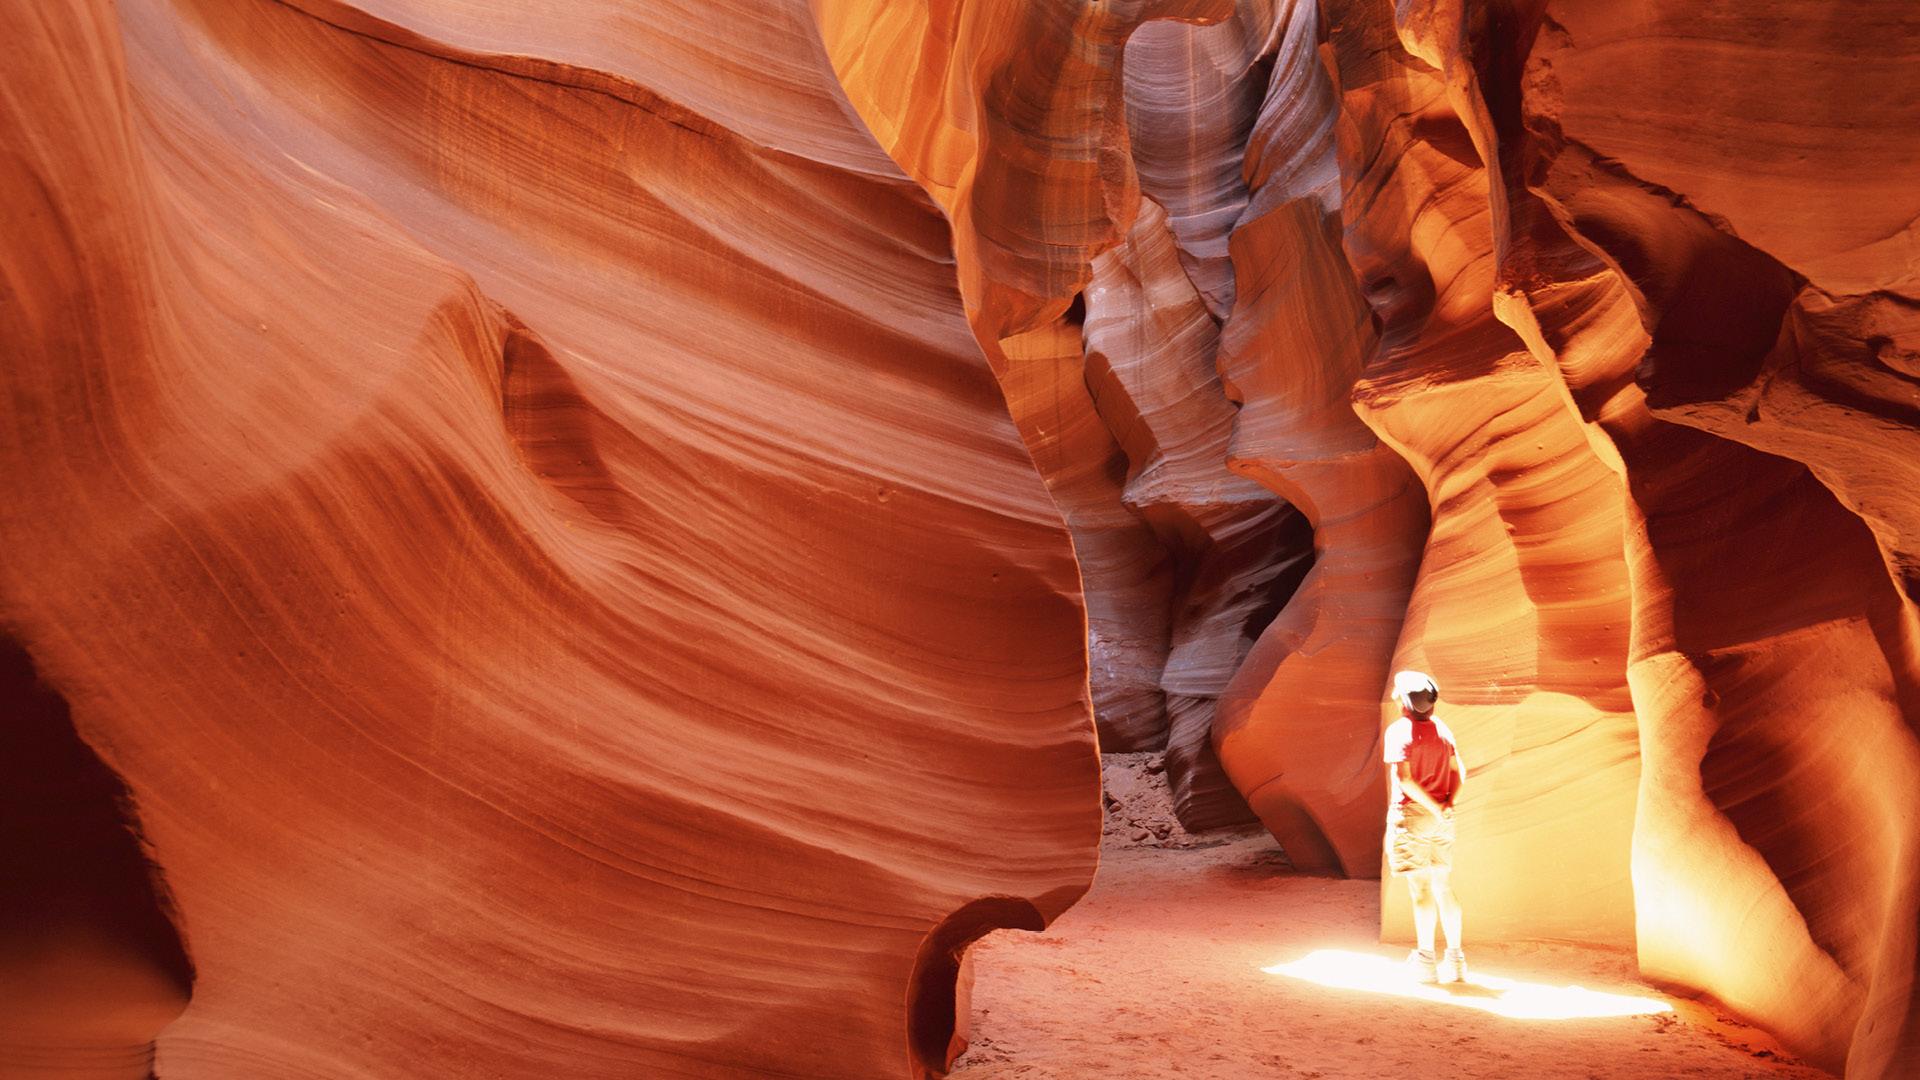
1416,840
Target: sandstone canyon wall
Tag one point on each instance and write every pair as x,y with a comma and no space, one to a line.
599,542
518,503
1024,122
1646,672
1632,207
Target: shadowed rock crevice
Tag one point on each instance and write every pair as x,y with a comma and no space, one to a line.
556,429
939,995
93,966
1050,216
1155,306
702,634
1297,726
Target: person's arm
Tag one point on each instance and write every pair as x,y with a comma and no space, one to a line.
1460,771
1414,791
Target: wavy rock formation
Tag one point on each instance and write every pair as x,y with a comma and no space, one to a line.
1561,271
1773,298
1192,96
1772,857
1013,117
541,547
1796,190
1024,139
1520,609
1299,724
588,543
1151,351
1127,573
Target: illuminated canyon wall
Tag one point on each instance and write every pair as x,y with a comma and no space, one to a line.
1623,189
520,507
600,543
1024,121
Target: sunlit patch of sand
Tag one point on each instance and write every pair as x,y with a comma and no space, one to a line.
1343,970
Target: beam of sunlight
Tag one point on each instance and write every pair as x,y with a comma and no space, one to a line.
1490,993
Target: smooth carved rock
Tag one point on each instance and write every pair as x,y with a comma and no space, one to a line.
1192,95
1622,304
1298,725
1240,551
1760,674
1802,178
1521,606
1023,140
1803,162
555,573
1012,116
563,526
1126,572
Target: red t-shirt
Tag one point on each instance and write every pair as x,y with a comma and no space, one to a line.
1427,747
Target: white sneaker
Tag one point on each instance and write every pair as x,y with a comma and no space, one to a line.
1453,966
1423,966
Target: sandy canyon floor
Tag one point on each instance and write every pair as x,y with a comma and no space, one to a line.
1208,959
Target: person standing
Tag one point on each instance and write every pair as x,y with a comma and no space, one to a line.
1425,776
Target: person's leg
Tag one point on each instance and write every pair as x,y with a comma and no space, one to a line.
1447,903
1453,966
1425,913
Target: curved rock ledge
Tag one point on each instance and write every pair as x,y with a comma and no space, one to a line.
561,587
607,541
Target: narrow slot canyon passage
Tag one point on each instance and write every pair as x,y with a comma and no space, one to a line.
1208,957
851,540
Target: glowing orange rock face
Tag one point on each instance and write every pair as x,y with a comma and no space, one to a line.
1021,123
548,560
1298,727
1771,658
594,542
1521,602
1647,664
1774,665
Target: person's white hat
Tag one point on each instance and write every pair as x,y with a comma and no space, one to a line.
1408,683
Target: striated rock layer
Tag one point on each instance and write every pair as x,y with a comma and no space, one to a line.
1153,349
535,535
1240,552
1127,573
1777,691
589,543
1770,653
1520,608
1299,724
1572,266
1018,120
